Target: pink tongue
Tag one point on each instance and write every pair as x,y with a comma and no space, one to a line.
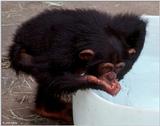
110,76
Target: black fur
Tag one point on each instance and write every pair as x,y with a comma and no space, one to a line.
54,39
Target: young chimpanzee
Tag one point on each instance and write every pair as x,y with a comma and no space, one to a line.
68,50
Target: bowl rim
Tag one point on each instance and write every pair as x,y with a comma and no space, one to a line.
92,92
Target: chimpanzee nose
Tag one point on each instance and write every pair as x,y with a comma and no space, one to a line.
111,75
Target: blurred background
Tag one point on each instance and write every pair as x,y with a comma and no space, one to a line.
18,91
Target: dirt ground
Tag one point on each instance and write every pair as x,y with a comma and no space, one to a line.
18,91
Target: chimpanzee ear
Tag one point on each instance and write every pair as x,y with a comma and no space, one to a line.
131,51
86,54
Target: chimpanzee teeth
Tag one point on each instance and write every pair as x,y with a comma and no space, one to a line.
82,74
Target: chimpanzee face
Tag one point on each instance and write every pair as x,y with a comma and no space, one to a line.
107,61
113,63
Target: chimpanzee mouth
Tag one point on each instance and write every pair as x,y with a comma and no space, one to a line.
108,81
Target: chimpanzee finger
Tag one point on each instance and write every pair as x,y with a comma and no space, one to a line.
112,89
92,79
116,83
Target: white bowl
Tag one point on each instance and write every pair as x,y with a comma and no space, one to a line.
138,102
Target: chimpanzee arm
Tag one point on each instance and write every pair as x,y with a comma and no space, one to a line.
69,83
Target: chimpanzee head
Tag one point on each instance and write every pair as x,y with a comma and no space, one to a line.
114,54
107,59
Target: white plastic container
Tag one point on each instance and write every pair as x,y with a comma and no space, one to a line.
138,102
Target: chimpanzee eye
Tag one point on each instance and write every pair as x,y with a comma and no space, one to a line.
106,67
120,66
